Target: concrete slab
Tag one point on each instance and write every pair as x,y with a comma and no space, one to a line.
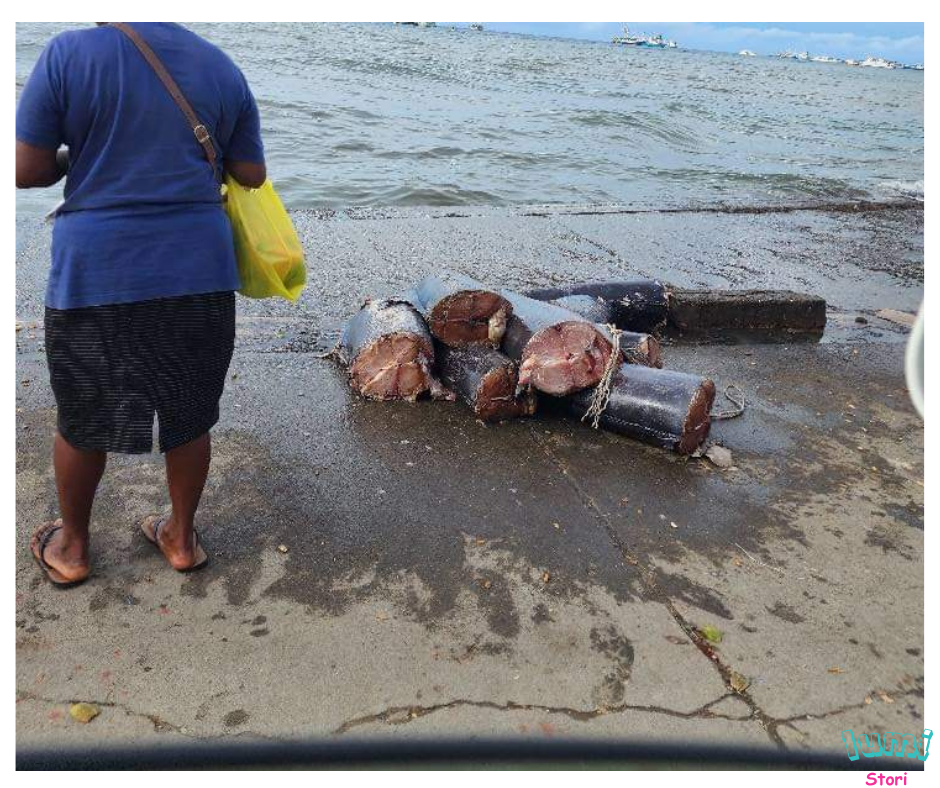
443,577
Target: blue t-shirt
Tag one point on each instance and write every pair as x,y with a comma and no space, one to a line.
142,216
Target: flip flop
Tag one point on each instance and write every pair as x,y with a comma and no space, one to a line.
55,577
156,522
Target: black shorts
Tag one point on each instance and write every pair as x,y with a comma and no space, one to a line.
112,367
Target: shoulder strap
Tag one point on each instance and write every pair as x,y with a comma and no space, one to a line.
199,130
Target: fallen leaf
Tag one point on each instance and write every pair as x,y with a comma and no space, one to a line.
835,670
282,548
83,712
719,456
711,633
885,697
738,682
546,577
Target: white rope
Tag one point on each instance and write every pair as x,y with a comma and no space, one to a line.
601,395
739,402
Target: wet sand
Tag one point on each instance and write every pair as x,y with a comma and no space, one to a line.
535,578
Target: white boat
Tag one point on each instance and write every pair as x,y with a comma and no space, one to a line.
824,59
427,24
849,62
476,26
877,62
654,41
747,53
628,38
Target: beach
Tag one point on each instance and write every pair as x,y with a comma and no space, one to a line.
399,569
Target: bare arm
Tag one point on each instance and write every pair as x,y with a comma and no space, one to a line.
39,166
247,173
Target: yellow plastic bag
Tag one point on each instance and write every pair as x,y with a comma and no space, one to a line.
270,257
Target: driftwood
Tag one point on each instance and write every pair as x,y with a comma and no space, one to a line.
637,348
742,310
558,351
486,380
389,352
662,407
461,311
641,305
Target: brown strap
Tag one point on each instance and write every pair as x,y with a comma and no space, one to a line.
199,130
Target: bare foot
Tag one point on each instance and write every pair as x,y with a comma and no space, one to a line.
184,555
64,562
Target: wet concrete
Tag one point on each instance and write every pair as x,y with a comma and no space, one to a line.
534,578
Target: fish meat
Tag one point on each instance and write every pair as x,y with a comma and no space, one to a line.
559,352
389,352
637,348
639,305
461,311
662,407
486,380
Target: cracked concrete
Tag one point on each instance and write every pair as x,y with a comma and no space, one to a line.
445,578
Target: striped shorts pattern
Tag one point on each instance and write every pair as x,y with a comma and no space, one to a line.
112,367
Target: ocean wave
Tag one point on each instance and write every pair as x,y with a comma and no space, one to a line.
912,190
376,115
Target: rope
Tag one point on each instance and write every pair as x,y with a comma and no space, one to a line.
738,401
601,395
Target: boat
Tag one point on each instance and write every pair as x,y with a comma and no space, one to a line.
658,41
654,41
877,62
824,59
850,62
628,38
747,53
476,26
427,24
915,67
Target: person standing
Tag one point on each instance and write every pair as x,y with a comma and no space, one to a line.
140,303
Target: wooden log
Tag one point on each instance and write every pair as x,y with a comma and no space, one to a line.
486,380
637,348
559,352
741,310
640,305
662,407
389,352
461,311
